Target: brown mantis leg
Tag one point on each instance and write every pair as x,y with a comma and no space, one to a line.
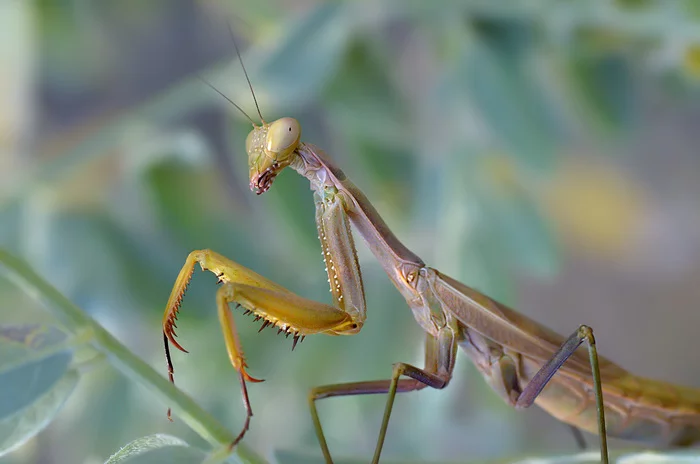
439,363
540,379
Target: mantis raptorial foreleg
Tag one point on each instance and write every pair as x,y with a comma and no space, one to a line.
277,306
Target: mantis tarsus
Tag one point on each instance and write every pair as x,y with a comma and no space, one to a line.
523,361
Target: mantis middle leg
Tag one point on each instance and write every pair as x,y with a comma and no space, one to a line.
437,372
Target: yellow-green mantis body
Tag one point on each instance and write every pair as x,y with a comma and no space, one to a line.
523,361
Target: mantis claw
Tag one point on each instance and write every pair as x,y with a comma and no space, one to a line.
248,377
177,345
170,336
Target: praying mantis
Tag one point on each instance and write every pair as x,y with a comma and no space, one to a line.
523,361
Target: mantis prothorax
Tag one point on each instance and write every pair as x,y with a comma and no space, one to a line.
523,361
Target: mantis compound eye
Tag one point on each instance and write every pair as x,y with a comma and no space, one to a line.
283,138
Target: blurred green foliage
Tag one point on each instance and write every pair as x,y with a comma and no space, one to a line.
453,118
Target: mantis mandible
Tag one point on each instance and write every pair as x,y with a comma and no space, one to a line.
523,361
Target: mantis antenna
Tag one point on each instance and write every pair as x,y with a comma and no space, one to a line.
240,59
238,52
228,99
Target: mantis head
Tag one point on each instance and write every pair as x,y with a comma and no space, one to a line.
271,148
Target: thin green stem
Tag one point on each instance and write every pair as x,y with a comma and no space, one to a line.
77,321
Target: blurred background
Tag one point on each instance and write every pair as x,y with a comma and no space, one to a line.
542,152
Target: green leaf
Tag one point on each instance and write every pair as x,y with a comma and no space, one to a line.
156,448
18,428
606,88
35,379
33,358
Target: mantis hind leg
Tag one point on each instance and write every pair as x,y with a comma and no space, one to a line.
439,364
540,379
